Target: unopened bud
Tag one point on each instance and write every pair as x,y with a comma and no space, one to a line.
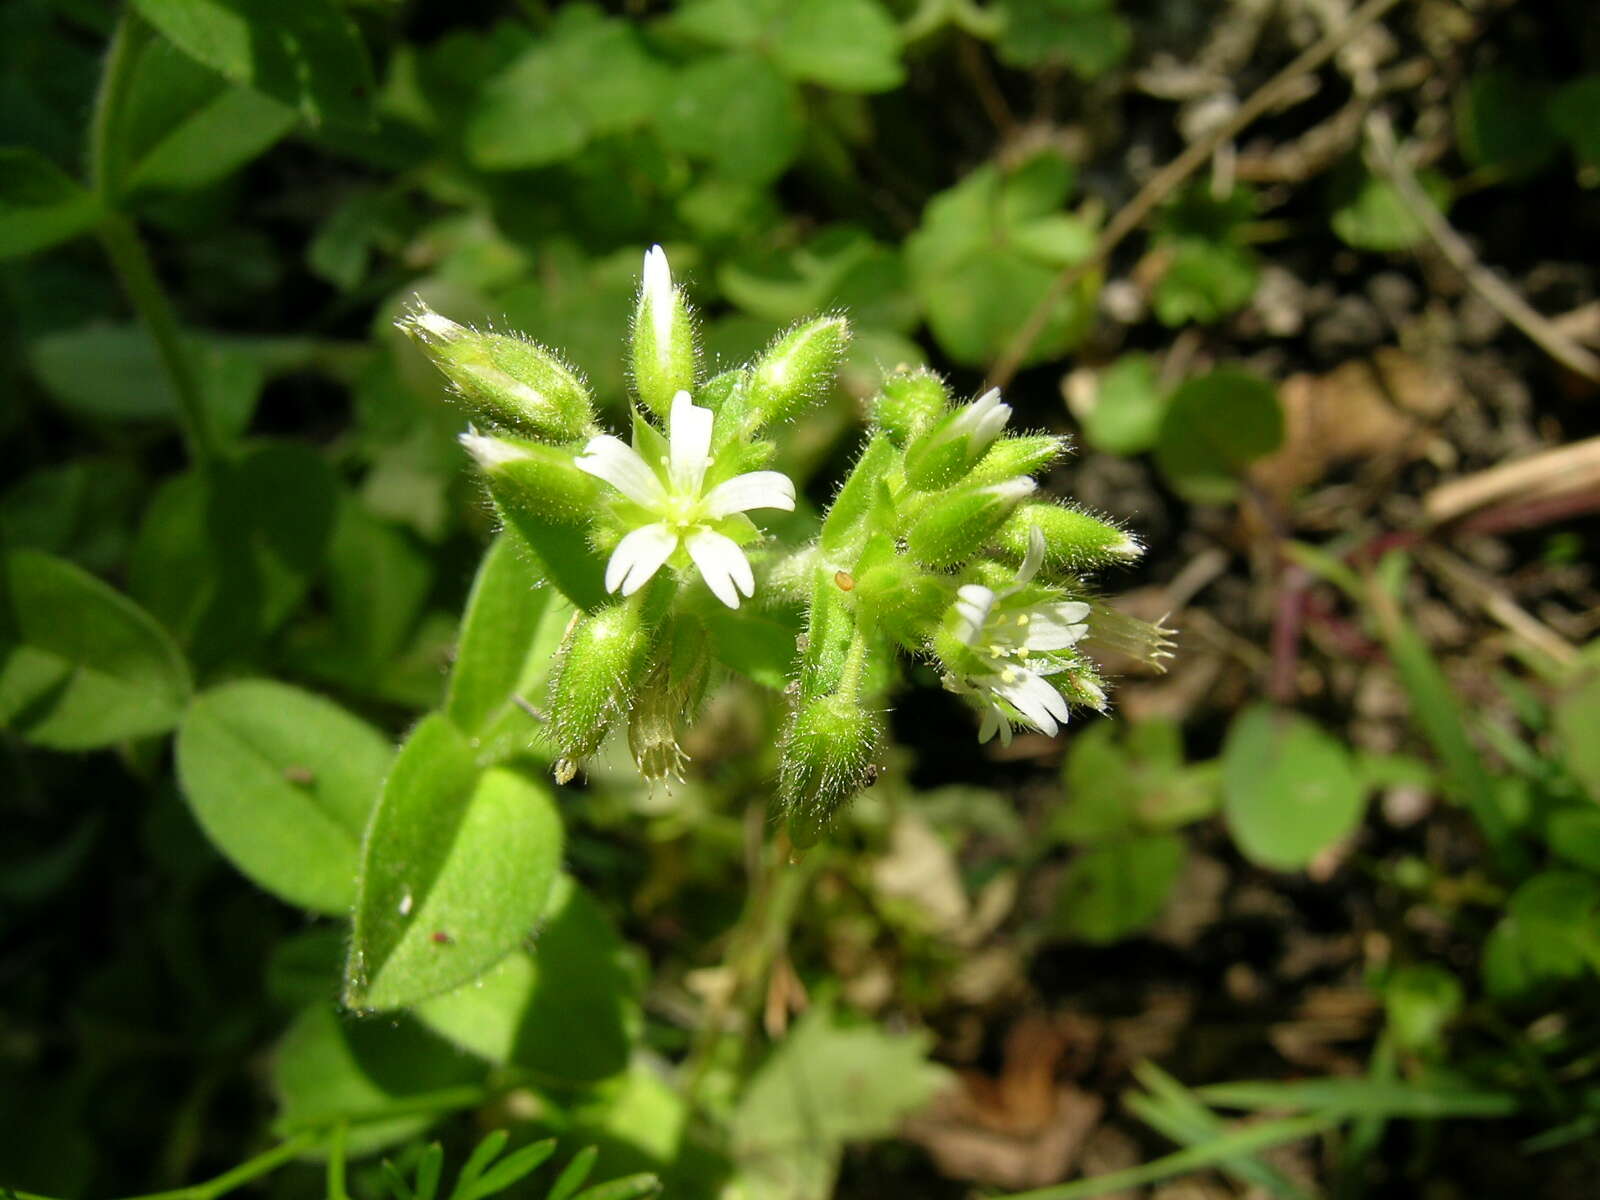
601,668
534,479
504,379
796,370
958,524
1013,456
910,404
1072,538
942,455
663,338
829,754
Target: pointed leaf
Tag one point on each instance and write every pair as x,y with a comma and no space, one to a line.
456,869
282,782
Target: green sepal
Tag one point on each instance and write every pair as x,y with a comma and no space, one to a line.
1009,457
960,522
829,754
830,626
1073,539
536,479
603,663
858,494
664,365
505,380
796,370
905,600
562,549
910,404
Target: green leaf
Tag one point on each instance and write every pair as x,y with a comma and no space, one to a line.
1549,937
564,1009
586,77
1125,414
1501,122
39,205
827,1083
1367,1097
378,581
1574,111
737,112
306,53
760,646
509,636
81,665
1215,426
456,870
282,782
846,45
114,372
1204,282
1119,886
181,126
1087,36
1369,214
1576,716
1289,788
378,1075
224,557
988,251
1420,1001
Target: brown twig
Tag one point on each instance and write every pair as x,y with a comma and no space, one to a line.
1277,90
1562,471
1388,161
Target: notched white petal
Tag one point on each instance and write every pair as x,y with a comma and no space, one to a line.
755,489
688,442
722,565
638,557
613,460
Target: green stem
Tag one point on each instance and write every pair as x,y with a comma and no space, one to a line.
1241,1142
126,249
336,1142
149,299
253,1168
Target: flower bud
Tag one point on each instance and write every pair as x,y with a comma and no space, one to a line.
942,455
910,403
858,495
601,667
1013,456
1072,538
796,370
663,338
828,756
504,379
959,523
534,479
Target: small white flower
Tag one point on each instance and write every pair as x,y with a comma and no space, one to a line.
981,422
1006,637
678,509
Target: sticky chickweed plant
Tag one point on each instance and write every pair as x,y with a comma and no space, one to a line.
936,547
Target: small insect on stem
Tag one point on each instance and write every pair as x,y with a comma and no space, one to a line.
303,776
440,938
845,580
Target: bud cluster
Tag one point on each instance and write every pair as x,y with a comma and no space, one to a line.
937,544
648,537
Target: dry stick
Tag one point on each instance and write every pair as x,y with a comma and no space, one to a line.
1269,95
1501,296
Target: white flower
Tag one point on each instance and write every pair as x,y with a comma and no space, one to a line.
1013,643
678,510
